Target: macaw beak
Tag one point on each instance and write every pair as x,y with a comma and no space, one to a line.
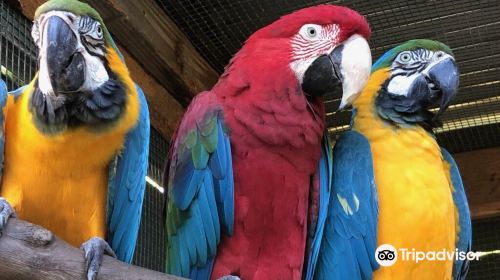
349,65
444,77
61,63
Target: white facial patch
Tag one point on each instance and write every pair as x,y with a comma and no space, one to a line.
300,66
309,43
95,74
409,65
399,85
95,71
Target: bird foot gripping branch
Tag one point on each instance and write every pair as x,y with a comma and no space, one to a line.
6,212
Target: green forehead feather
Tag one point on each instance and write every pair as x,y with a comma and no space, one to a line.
386,59
72,6
77,8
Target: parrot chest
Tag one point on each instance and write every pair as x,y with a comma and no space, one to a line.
416,209
58,181
271,204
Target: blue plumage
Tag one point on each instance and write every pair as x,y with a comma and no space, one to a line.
464,241
3,102
350,234
325,173
201,202
126,187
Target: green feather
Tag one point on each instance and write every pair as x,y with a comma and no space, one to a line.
208,126
190,140
386,60
199,154
77,8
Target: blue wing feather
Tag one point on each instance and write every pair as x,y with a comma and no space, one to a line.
200,199
3,102
350,234
325,175
126,187
464,240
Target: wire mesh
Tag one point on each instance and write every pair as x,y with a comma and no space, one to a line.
18,62
17,50
150,250
218,28
471,28
485,238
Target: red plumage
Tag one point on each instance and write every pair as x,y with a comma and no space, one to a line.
276,135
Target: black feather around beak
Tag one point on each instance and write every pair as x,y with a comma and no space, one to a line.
65,64
323,75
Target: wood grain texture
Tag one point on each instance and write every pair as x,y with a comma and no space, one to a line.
157,43
30,252
480,170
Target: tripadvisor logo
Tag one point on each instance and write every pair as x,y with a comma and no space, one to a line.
387,255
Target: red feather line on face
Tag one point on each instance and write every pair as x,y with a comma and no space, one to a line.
303,48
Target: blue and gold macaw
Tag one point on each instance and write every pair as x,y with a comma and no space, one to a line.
76,138
391,182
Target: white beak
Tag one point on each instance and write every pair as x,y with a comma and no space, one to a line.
355,68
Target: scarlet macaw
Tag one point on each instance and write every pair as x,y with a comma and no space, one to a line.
249,158
77,137
392,183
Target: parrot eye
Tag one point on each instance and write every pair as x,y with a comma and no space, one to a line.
439,54
99,31
404,57
310,31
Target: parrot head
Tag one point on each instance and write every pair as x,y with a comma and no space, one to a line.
422,74
81,77
321,49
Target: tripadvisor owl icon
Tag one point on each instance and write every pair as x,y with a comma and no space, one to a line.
386,255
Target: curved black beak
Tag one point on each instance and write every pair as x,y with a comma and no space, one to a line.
65,65
445,77
345,70
323,75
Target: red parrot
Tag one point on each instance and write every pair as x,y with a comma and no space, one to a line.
244,169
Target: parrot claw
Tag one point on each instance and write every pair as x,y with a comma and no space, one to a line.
94,249
6,211
229,277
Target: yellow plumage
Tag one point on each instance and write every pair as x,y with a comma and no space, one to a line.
416,208
60,181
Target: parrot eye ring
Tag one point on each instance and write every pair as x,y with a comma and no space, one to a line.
404,57
99,31
439,54
311,31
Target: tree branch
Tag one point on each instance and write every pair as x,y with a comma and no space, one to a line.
30,252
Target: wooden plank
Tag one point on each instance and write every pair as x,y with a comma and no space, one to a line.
480,170
165,111
157,44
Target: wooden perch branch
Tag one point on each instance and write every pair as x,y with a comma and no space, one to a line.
30,252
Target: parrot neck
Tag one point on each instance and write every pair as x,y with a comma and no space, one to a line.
272,112
376,102
368,121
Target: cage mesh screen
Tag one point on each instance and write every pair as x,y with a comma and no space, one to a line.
150,249
471,28
485,238
18,66
17,50
218,28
